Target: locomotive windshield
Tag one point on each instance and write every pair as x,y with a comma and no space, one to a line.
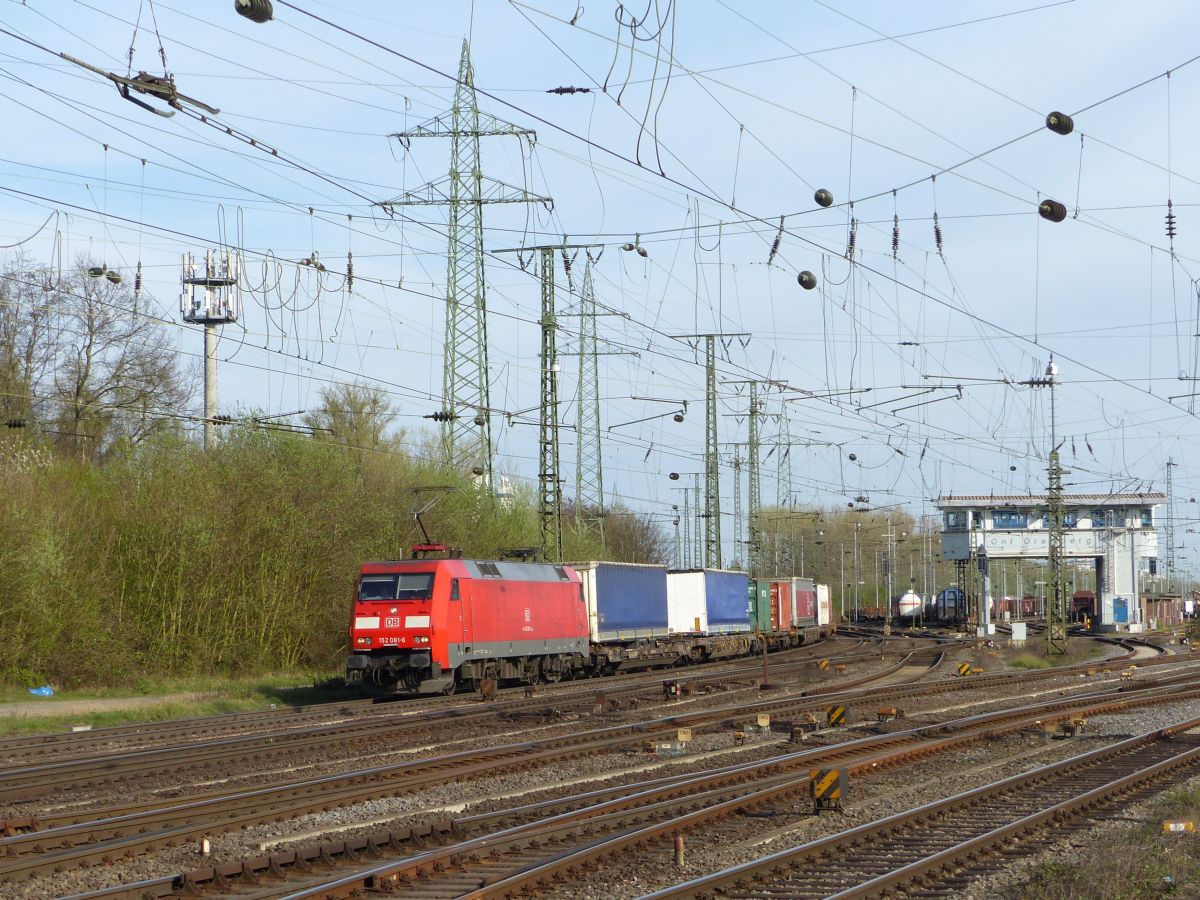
396,586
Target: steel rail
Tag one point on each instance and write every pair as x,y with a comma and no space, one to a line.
609,809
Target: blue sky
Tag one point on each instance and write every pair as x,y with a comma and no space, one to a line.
765,102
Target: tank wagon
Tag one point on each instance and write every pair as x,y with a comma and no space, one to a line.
423,626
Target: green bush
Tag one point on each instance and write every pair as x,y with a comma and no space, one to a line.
166,560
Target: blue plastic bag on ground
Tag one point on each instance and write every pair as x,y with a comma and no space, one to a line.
44,691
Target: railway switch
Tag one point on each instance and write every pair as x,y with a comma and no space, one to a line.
828,787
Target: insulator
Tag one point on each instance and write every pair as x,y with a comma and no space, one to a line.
674,476
853,457
937,234
628,248
255,10
852,239
137,279
678,417
775,244
113,276
807,280
823,197
96,271
895,235
1170,221
349,271
479,421
1060,123
1012,468
1052,210
641,251
477,471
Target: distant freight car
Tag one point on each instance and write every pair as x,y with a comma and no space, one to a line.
423,625
824,605
1083,603
804,594
726,597
627,601
783,604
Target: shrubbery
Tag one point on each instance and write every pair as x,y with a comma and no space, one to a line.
166,560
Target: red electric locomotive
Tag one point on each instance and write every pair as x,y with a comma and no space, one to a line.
425,625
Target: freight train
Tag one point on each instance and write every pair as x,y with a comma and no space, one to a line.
423,626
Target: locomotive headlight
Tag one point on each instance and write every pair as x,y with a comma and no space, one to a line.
362,641
421,639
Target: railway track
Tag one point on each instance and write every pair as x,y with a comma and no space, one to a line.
939,847
45,778
76,838
14,750
511,851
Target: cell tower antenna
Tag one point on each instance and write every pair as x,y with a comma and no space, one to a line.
210,296
466,393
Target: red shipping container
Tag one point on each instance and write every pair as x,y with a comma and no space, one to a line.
781,605
806,601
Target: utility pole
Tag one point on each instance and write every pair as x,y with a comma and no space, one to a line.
1169,531
1056,615
738,532
549,460
210,296
698,560
687,530
549,482
466,392
712,474
754,537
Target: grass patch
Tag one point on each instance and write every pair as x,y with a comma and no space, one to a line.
212,696
1127,865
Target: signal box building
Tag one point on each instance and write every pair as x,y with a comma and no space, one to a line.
1116,532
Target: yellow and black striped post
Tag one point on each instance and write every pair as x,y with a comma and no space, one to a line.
836,714
823,664
828,787
964,668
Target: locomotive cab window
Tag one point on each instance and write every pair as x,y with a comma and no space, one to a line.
414,586
454,589
377,587
396,586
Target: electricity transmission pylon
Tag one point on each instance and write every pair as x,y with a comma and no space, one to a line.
466,395
589,470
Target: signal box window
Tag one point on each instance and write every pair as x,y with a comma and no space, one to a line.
1009,520
956,520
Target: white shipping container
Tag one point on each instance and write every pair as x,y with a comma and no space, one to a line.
824,605
687,612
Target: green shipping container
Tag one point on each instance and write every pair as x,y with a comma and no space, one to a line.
760,605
